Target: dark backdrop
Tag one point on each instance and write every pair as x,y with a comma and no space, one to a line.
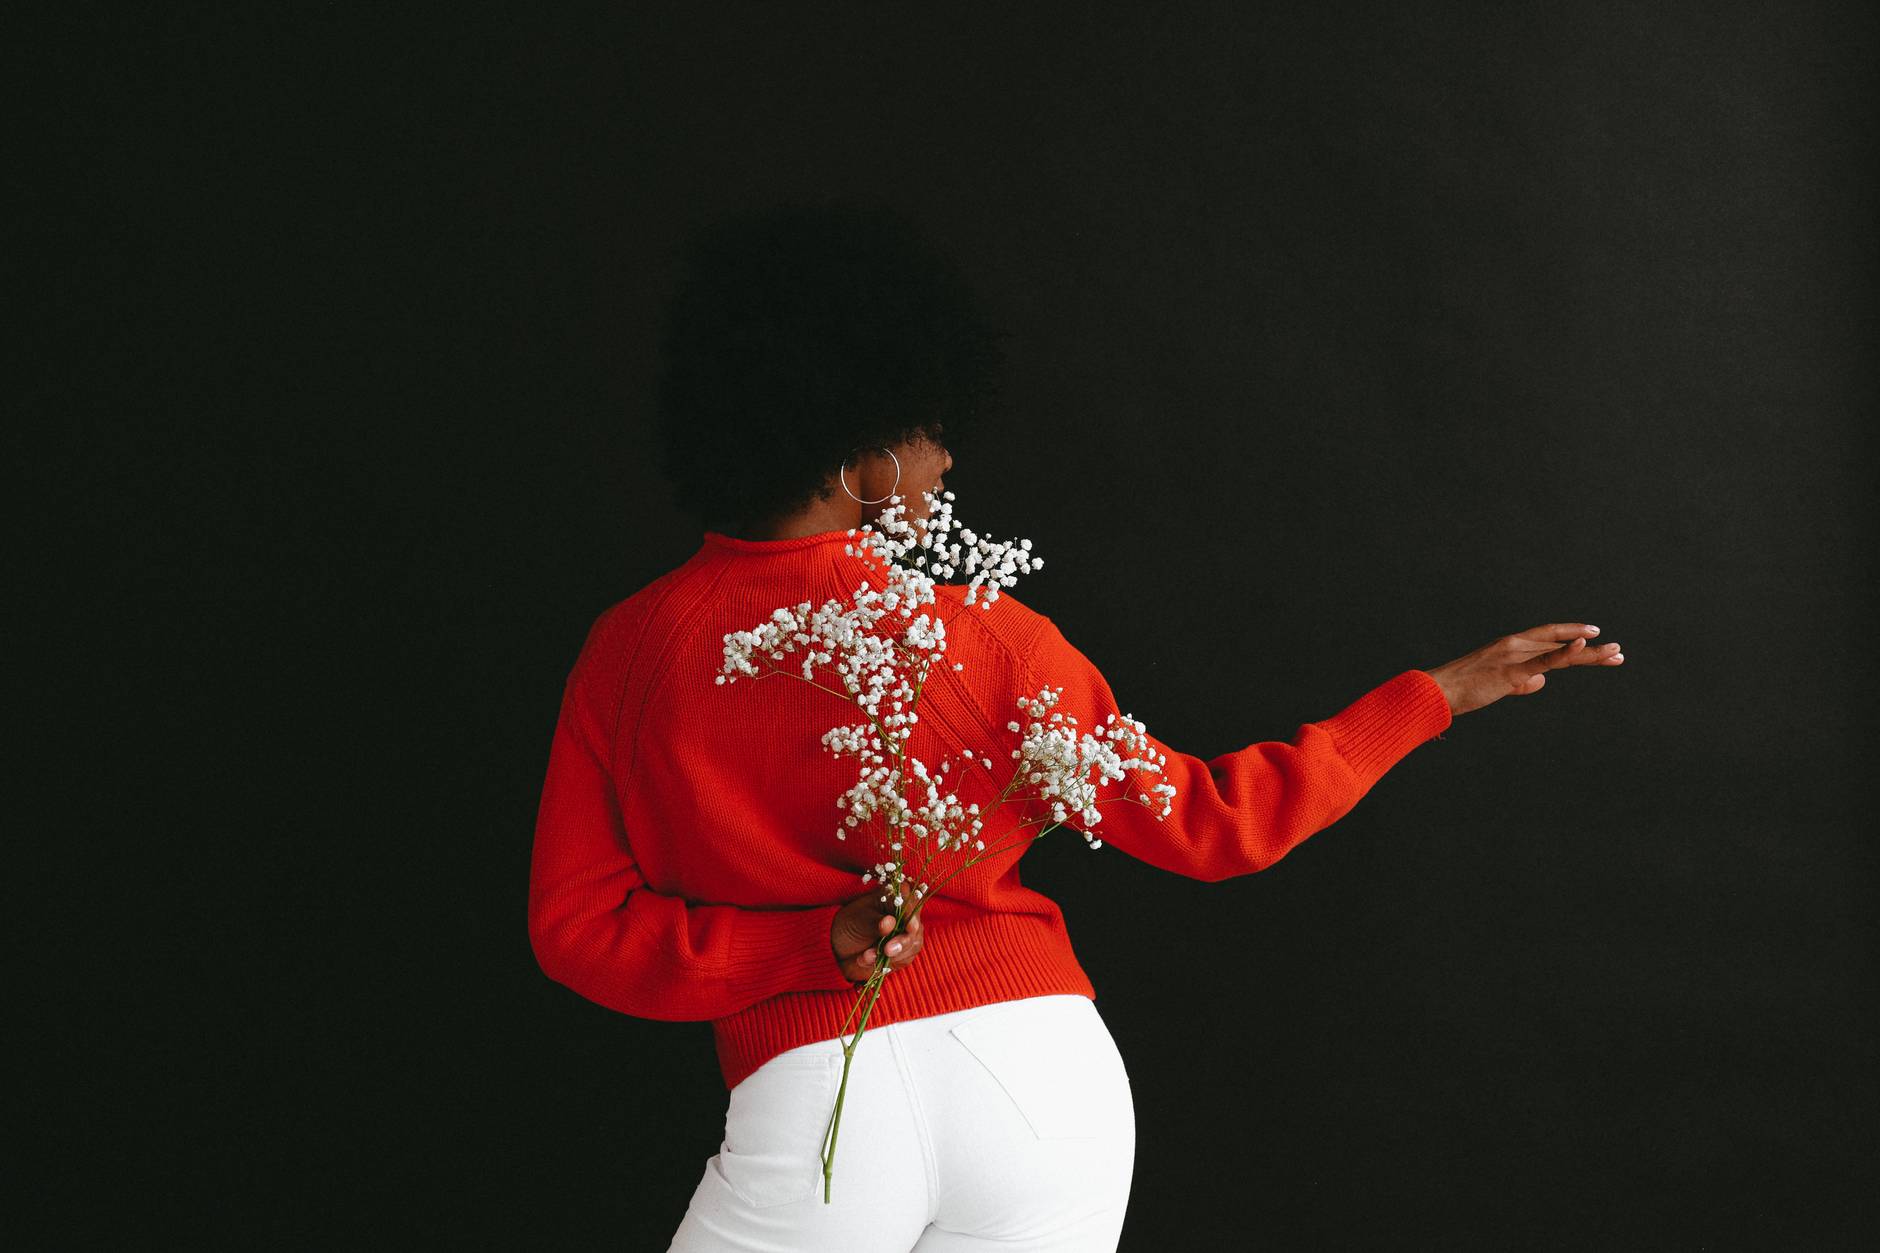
1344,339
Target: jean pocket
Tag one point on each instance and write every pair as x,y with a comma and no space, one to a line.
1056,1062
775,1125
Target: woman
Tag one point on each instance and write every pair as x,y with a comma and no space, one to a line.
821,365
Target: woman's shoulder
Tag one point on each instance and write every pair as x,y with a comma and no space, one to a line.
1005,621
612,631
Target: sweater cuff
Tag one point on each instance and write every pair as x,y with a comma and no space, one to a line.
1377,730
784,950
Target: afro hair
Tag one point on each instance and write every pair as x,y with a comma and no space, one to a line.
800,334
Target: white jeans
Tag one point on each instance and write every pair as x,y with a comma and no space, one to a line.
1007,1126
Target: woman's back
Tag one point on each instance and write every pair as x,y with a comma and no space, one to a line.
732,781
715,805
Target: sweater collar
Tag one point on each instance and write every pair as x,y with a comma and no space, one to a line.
733,543
805,545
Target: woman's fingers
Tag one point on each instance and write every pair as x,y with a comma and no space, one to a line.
905,946
1528,667
1590,654
1574,653
1577,637
1558,632
1565,655
863,926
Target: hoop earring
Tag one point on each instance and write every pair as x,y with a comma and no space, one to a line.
857,499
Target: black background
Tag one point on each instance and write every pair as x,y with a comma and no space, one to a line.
1344,339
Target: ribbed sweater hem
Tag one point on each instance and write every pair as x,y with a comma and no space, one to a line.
969,958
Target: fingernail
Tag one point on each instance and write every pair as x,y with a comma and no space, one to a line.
1592,630
894,946
868,957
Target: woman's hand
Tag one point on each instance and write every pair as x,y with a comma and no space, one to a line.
1516,665
857,934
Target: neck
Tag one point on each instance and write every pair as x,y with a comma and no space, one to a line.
840,514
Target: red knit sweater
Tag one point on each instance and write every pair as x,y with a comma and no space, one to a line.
686,865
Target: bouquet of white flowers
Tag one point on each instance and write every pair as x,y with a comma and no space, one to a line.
880,653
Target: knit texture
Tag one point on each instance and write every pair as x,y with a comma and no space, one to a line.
686,866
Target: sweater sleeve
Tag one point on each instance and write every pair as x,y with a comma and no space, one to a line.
596,926
1244,810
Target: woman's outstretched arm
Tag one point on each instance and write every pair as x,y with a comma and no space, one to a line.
598,928
1242,811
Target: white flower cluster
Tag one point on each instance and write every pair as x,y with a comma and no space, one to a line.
1058,761
993,563
881,670
892,870
869,663
832,630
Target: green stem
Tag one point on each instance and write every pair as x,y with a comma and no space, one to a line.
848,1057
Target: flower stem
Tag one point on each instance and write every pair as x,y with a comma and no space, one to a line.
848,1056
